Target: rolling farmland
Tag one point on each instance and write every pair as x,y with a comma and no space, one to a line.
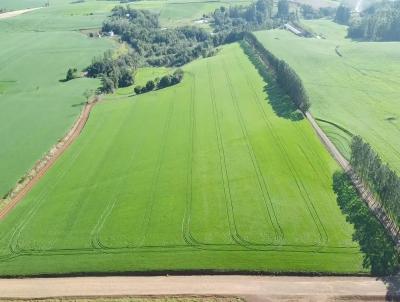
36,108
199,176
353,86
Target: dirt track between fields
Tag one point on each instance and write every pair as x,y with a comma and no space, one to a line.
252,288
15,13
361,187
47,162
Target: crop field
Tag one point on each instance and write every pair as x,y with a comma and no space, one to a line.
36,109
198,176
353,86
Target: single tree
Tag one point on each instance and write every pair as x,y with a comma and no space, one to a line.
343,15
71,74
150,85
107,85
283,9
138,89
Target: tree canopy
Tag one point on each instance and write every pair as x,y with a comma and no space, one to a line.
381,22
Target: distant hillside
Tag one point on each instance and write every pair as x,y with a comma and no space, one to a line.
381,22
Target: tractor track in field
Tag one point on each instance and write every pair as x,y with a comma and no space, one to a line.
98,247
299,183
48,161
301,187
269,213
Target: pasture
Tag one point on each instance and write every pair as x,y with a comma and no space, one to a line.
353,86
198,176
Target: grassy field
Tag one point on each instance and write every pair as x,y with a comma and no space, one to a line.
353,86
199,176
36,109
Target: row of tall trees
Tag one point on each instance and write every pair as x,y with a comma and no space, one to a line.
379,252
343,15
159,83
382,180
381,22
286,77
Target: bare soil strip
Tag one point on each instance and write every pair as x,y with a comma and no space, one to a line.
251,288
362,188
17,13
47,162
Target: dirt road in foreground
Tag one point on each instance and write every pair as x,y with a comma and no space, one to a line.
252,288
16,13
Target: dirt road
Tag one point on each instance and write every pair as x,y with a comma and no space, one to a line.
16,13
363,189
252,288
45,164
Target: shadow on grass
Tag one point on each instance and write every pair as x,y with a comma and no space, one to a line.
379,252
79,104
279,101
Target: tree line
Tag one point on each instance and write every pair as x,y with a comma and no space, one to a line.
380,254
383,181
343,15
155,45
286,77
159,83
308,12
380,22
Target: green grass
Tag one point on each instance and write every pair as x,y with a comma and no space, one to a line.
358,90
35,108
198,176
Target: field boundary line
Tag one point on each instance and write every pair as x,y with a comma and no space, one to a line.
363,190
15,13
44,164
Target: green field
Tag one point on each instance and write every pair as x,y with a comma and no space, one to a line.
355,87
199,176
35,108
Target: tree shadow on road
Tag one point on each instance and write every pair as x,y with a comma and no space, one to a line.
277,98
79,104
393,287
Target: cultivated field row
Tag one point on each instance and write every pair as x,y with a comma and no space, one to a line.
205,169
